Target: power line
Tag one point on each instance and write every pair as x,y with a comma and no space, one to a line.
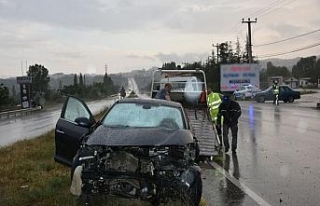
283,40
235,29
264,9
292,51
277,8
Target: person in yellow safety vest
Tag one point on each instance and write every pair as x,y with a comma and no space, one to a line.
275,91
213,101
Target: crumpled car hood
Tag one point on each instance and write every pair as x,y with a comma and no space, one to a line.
126,136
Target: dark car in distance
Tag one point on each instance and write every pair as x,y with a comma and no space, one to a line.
141,148
286,94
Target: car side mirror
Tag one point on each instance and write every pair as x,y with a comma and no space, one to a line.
83,122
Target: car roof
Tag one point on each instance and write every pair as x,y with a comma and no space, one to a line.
157,102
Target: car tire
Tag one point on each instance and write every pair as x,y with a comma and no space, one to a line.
192,196
261,99
197,192
290,99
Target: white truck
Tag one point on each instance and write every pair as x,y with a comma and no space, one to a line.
187,88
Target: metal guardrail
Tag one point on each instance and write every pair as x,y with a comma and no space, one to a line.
19,111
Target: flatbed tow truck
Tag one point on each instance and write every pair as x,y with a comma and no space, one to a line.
187,87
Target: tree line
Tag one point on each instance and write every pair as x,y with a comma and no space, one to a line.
92,91
308,67
40,89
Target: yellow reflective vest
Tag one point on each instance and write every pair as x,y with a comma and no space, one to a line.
213,101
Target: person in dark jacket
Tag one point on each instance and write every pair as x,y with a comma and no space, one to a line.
164,93
230,111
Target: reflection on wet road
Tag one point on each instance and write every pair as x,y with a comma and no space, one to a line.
277,162
26,127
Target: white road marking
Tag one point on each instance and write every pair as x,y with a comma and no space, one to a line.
239,183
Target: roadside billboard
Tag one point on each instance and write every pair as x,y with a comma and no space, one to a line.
235,75
24,82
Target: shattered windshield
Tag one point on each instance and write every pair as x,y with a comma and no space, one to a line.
139,115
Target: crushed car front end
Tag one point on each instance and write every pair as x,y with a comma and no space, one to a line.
159,173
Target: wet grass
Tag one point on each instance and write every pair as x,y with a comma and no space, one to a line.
29,176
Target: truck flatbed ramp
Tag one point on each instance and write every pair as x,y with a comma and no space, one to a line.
203,129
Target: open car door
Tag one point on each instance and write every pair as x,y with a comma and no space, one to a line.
75,121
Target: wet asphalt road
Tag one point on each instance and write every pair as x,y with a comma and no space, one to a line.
277,162
37,123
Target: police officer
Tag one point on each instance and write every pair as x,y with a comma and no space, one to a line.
275,91
230,111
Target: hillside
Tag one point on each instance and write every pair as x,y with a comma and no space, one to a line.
289,63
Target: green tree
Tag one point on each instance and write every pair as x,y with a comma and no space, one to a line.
306,67
192,66
75,80
60,85
80,80
277,70
317,69
169,66
14,92
40,80
237,54
4,95
108,85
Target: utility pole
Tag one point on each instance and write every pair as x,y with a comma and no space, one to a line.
106,68
249,34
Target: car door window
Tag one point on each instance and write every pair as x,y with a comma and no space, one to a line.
75,109
283,89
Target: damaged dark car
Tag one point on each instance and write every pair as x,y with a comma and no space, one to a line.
141,148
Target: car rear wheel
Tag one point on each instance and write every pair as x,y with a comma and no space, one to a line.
261,99
290,99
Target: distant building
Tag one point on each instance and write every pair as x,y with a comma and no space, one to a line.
292,82
304,82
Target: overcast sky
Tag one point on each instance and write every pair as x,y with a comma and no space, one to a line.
73,36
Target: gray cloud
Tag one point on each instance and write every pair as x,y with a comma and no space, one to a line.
121,15
134,56
188,57
287,30
82,32
82,14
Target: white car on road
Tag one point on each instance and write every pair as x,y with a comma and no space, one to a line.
246,92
